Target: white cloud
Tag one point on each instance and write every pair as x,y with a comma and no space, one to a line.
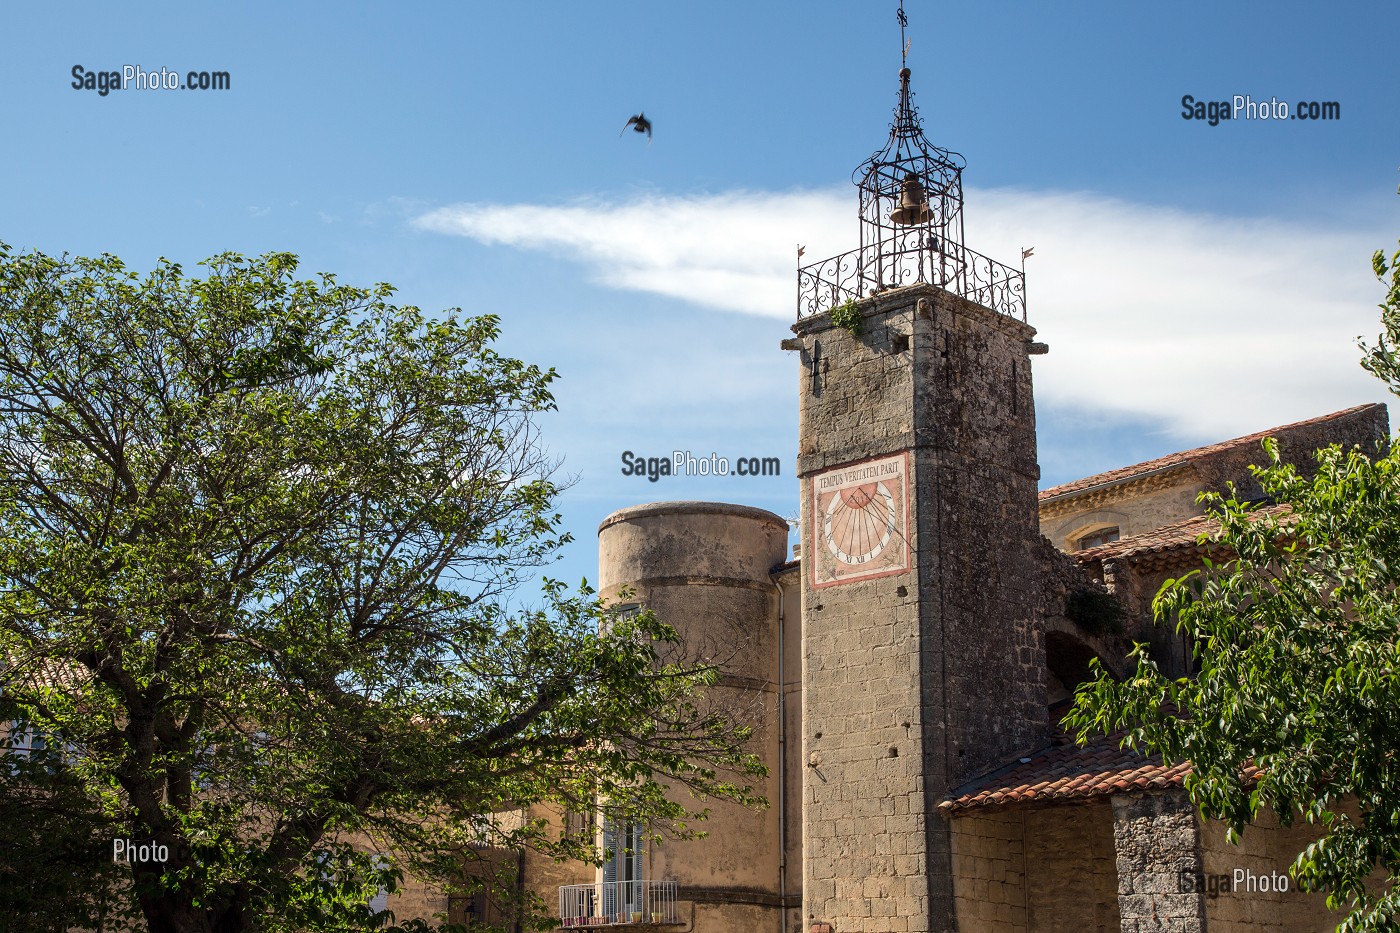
734,252
1208,325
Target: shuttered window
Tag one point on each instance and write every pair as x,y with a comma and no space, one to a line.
624,870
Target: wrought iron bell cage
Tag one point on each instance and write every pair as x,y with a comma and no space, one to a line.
911,230
911,200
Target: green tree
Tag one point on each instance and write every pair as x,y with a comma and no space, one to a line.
1297,633
257,534
56,868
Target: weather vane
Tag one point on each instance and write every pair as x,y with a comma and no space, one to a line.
903,43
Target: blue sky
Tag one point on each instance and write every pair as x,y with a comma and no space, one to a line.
1193,282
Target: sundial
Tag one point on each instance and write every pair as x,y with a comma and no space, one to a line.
860,513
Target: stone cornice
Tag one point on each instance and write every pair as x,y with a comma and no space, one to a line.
1129,487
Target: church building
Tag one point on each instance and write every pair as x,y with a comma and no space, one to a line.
906,666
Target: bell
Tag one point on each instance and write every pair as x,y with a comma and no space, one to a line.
913,206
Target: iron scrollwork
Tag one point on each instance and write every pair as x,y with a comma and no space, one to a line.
911,230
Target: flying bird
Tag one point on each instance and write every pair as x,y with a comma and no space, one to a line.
640,123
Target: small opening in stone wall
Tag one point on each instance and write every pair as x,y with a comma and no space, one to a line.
900,343
894,752
1096,536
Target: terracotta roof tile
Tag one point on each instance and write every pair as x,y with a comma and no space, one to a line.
1183,534
1070,772
1066,771
1185,457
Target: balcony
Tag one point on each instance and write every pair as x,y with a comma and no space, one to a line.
860,273
618,903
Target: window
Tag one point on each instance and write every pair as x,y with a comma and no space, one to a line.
579,826
623,871
380,901
618,613
623,611
21,739
1097,537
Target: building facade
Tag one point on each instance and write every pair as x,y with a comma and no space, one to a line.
906,669
905,688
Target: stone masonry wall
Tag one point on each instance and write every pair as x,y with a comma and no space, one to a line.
790,873
989,872
1138,586
863,807
1061,577
1071,869
1143,505
1252,902
1134,511
1156,842
706,569
543,876
914,682
983,651
1366,428
1044,869
418,899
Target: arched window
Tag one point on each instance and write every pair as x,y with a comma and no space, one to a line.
1070,532
1094,537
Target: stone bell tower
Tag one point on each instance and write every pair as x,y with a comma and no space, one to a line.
922,661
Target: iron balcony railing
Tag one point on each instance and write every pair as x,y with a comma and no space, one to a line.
615,903
866,271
